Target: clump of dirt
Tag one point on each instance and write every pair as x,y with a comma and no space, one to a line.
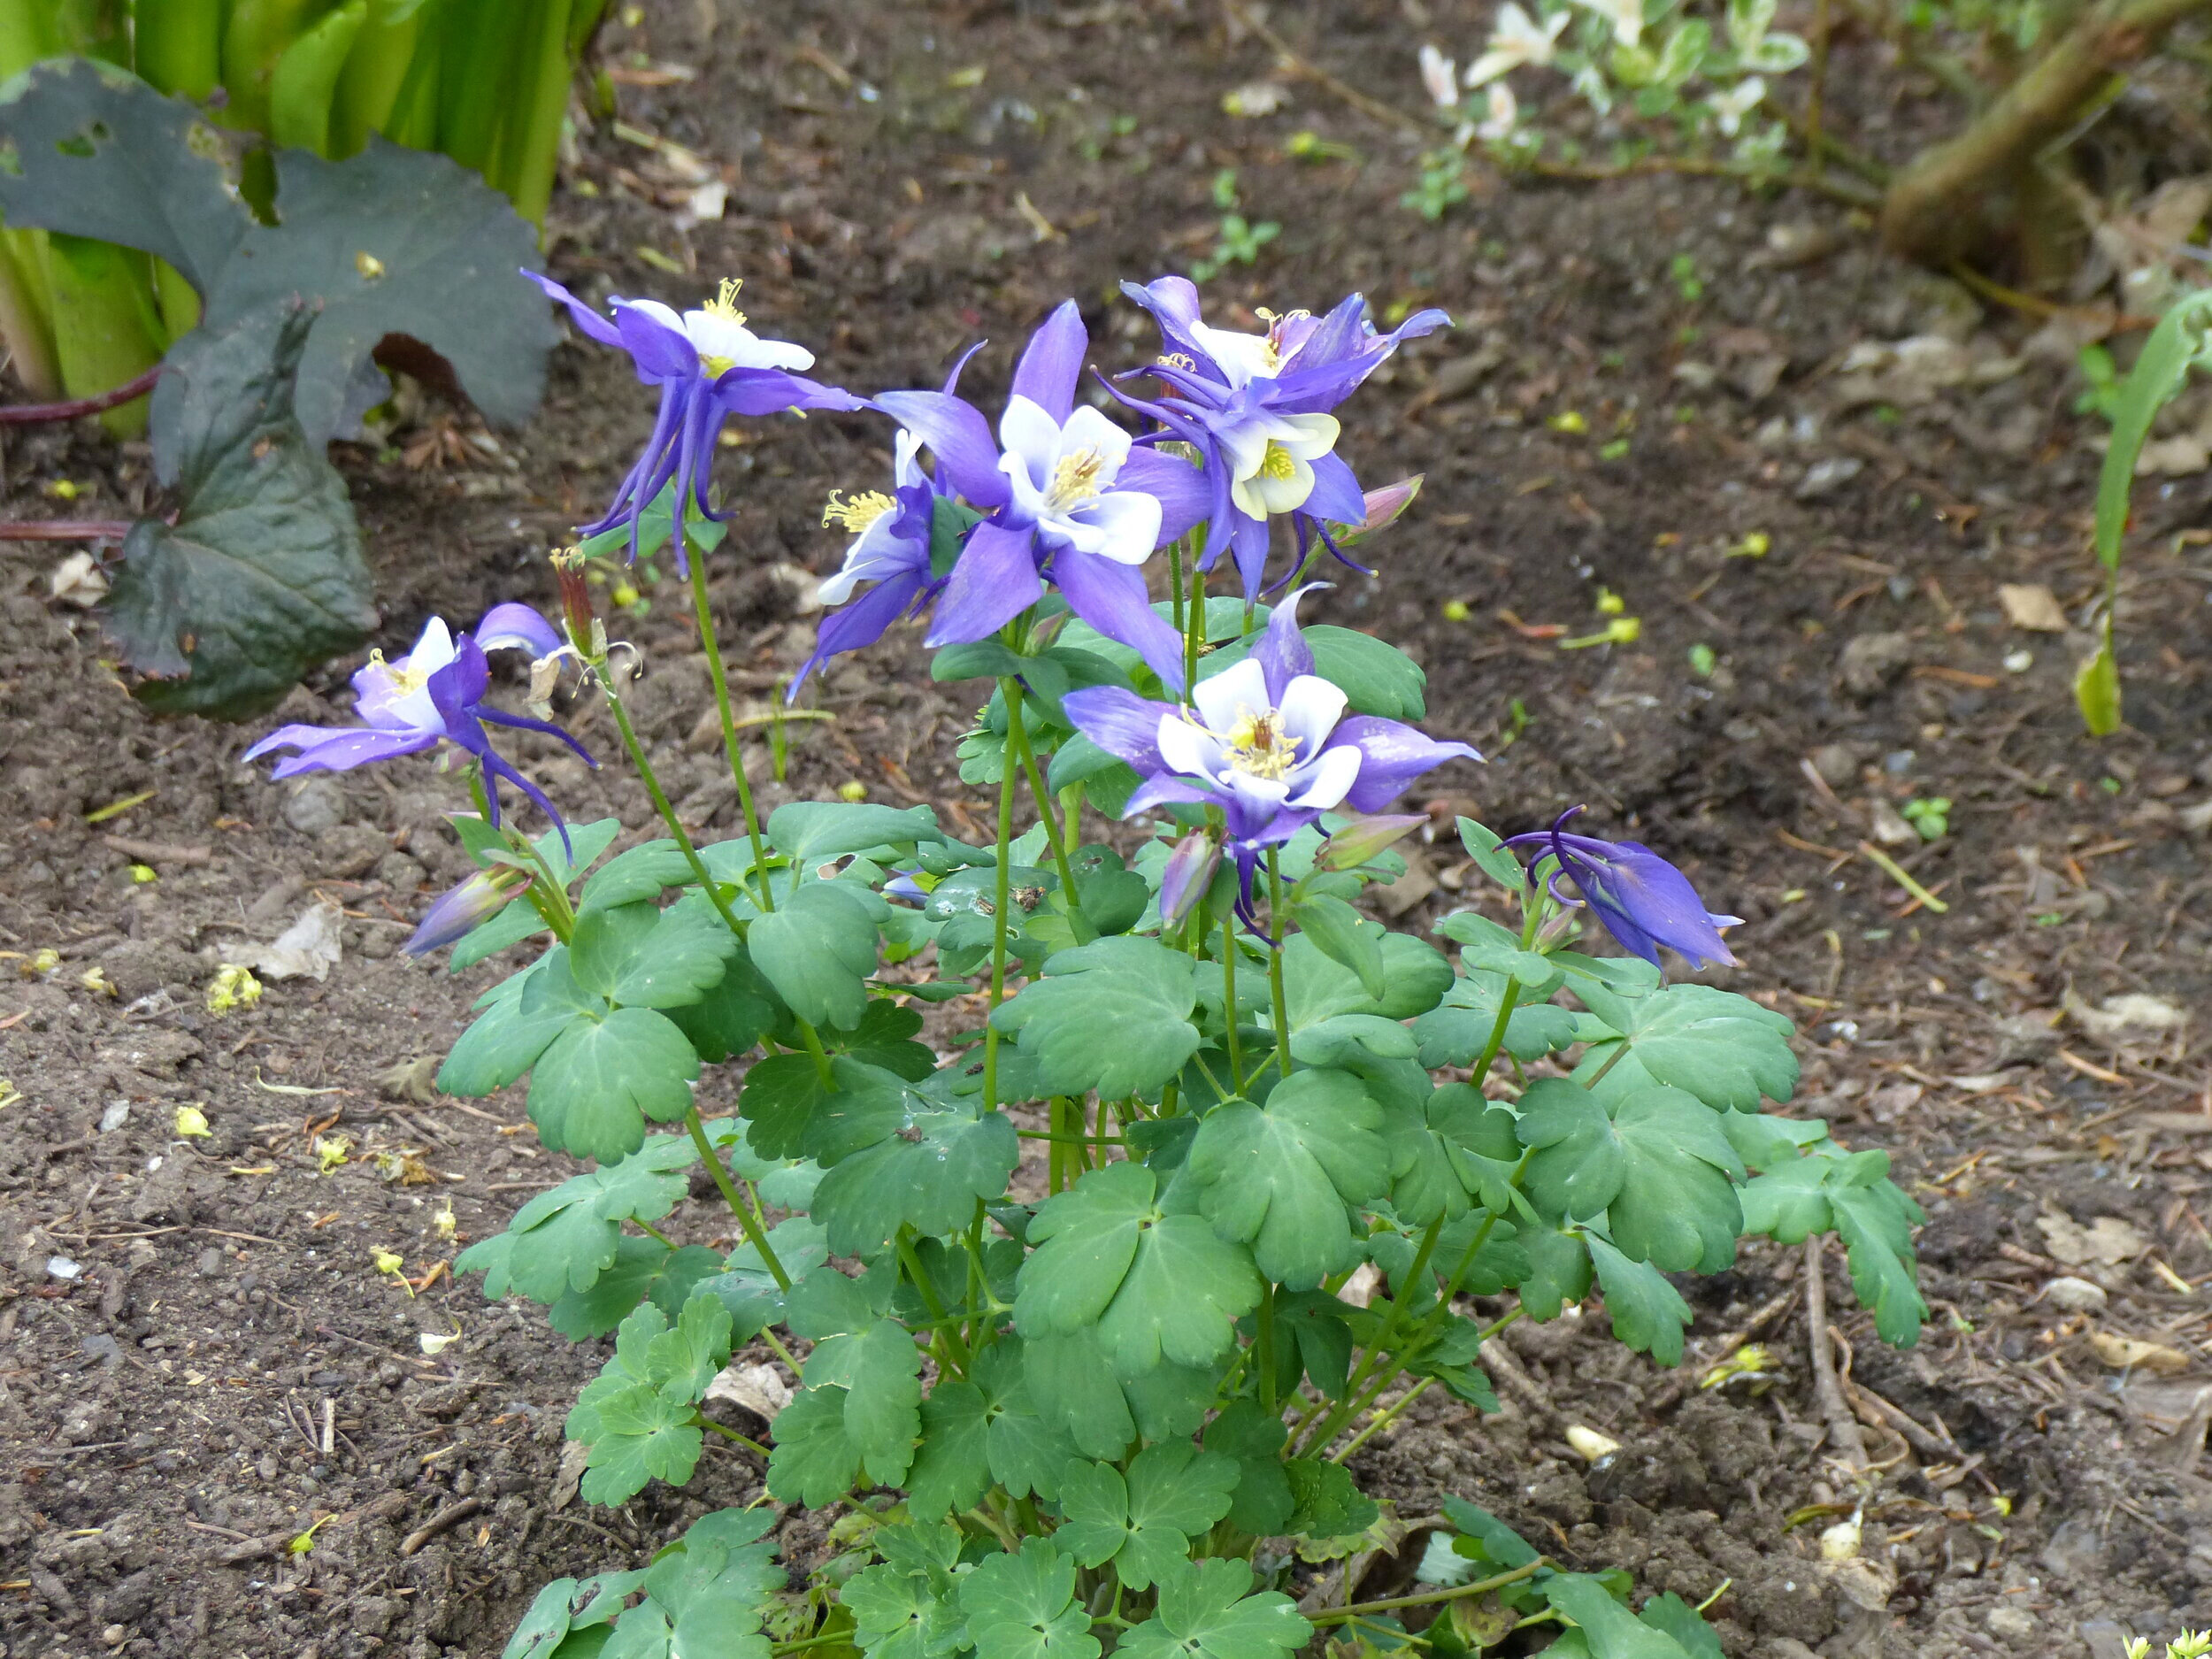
198,1354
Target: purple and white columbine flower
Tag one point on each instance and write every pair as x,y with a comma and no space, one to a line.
1256,407
433,695
709,367
1644,901
1267,741
1065,497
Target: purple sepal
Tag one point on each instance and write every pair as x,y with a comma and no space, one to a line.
1112,597
994,581
1123,724
1052,362
1393,756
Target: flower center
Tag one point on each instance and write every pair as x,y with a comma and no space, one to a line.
1273,348
856,512
1076,479
723,305
1277,461
405,679
1258,747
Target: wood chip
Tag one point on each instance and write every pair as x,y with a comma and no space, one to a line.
2031,607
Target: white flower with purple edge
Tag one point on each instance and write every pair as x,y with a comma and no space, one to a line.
1266,740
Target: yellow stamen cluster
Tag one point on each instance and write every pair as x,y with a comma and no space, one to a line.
1176,360
724,302
404,679
1277,461
1275,327
1257,749
1075,481
856,512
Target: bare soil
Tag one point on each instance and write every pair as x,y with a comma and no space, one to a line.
198,1356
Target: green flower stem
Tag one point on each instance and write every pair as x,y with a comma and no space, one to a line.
755,1234
1381,1420
1195,631
1435,1316
1019,747
653,1231
706,1422
1497,1031
1353,1404
955,1357
1266,1344
1481,1587
775,1346
1066,1140
1000,901
1229,998
1175,585
730,745
1275,914
659,798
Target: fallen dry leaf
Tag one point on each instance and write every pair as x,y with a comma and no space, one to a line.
2107,1240
2128,1353
2032,606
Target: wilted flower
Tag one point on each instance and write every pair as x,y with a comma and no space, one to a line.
1644,901
1267,741
709,367
1060,495
461,910
432,695
1255,406
1516,40
232,986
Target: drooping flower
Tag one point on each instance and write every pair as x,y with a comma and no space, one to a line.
433,695
1644,901
1516,40
1061,495
1267,741
1255,406
460,910
710,366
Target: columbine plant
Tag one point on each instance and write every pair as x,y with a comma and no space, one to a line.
1117,1405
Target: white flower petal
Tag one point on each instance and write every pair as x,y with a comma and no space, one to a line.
1188,749
1123,526
1310,707
1241,688
1330,778
1089,429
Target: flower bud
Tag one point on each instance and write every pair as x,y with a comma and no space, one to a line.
1383,507
576,611
462,909
1189,872
1363,838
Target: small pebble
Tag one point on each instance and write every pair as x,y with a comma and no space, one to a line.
2012,1624
211,1263
62,1268
2075,1295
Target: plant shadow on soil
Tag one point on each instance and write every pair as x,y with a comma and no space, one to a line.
227,1364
